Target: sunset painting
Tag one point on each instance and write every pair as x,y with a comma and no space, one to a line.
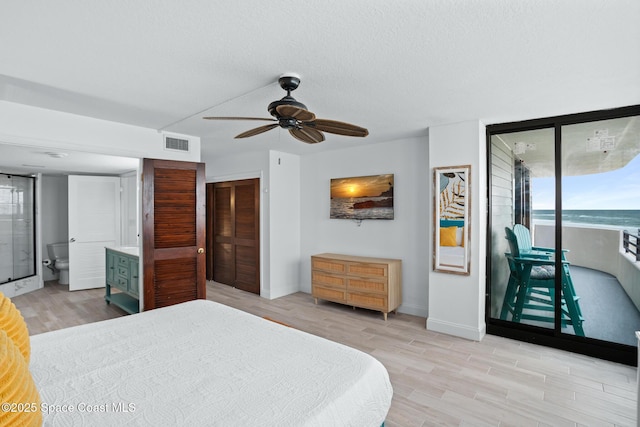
363,197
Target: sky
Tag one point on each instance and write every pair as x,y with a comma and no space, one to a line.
360,186
617,189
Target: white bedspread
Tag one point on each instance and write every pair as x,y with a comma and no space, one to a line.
203,363
452,256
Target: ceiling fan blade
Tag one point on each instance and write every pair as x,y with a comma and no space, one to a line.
295,112
257,131
340,128
308,135
238,118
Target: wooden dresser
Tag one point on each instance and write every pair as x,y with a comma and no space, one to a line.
373,283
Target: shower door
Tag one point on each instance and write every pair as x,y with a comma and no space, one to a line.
17,227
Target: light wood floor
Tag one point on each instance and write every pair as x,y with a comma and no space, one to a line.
437,379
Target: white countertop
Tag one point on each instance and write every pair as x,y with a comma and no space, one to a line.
129,250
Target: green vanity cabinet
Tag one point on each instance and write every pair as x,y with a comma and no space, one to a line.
122,276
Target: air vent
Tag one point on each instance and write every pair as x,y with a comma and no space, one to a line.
176,144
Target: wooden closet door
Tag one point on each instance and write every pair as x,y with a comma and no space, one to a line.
235,208
173,230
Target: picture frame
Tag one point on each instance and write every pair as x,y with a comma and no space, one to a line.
452,219
362,197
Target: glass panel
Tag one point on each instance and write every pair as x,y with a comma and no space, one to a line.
522,198
17,227
600,199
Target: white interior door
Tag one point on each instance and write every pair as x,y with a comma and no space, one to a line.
94,222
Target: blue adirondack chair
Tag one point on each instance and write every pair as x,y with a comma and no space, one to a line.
530,293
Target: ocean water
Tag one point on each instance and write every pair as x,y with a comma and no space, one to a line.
622,219
343,208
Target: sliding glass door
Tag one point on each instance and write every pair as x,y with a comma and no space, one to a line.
522,182
564,218
600,199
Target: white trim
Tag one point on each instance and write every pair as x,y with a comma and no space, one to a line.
462,331
414,310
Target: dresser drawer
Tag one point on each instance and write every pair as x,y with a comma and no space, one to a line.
367,270
326,279
375,302
123,270
121,283
329,294
328,265
361,284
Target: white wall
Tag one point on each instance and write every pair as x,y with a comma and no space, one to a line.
38,127
628,274
583,242
456,302
405,237
284,227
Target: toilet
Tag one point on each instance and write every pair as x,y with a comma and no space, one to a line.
59,255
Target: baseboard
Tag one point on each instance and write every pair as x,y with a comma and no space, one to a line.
455,329
279,292
414,310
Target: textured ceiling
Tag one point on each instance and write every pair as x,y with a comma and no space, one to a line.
395,68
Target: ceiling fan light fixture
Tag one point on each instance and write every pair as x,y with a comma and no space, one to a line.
288,123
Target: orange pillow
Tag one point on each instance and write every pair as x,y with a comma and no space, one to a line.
17,388
12,322
448,236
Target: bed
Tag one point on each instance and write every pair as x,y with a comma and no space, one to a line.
204,363
452,256
451,249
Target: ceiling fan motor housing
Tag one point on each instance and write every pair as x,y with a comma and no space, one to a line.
288,82
287,100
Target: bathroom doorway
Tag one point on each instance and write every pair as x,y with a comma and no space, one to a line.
58,218
94,223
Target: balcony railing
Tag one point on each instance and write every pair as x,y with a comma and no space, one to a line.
631,243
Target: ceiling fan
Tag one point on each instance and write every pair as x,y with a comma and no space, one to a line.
294,116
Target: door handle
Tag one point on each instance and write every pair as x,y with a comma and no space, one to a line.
72,239
200,250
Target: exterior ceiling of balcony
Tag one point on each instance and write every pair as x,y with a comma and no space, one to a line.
587,148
